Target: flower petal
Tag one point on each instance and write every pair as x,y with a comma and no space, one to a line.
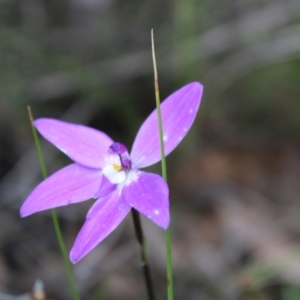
149,194
178,113
74,183
105,188
82,144
104,216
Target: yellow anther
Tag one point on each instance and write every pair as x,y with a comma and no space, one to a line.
117,168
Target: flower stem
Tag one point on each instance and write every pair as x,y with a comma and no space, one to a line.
54,215
164,174
143,256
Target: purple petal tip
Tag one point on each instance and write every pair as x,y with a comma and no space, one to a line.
73,258
26,210
23,213
196,86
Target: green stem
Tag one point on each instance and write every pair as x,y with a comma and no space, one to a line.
164,174
54,215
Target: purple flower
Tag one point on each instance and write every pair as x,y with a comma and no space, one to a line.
105,171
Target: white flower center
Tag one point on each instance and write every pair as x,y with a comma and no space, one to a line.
115,173
113,170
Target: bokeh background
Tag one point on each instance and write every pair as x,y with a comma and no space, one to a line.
234,180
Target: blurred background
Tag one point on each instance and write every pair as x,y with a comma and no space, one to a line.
234,180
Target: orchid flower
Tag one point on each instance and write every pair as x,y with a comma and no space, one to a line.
104,170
